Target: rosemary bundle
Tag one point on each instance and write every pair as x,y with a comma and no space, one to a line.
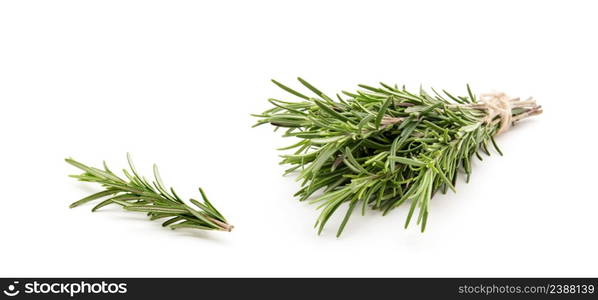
136,193
380,147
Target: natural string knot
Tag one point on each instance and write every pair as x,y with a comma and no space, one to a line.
498,104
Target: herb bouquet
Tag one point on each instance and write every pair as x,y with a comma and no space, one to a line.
380,147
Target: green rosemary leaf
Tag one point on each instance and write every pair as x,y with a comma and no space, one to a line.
158,216
327,152
453,97
445,179
101,204
314,89
123,197
201,217
363,122
471,96
496,146
411,210
153,208
172,221
91,171
329,110
94,197
352,163
284,87
346,218
191,225
326,140
383,111
407,161
208,203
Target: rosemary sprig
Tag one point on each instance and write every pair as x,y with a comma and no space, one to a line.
136,193
380,147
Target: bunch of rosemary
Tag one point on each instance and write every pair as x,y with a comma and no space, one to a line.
136,193
385,146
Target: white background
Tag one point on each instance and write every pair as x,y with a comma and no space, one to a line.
174,82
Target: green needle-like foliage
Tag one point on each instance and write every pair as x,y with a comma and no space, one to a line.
380,147
136,193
